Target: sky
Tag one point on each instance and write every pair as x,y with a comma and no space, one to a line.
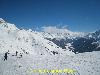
78,15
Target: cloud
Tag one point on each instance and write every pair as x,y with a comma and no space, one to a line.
55,29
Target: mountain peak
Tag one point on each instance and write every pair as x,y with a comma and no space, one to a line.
98,31
6,25
1,20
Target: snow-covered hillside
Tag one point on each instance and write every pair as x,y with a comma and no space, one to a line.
14,39
28,50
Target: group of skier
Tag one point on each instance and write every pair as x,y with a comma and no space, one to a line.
6,55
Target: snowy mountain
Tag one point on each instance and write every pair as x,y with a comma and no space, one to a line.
52,48
59,33
27,40
79,42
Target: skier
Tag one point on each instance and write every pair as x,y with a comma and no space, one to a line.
16,53
5,57
20,55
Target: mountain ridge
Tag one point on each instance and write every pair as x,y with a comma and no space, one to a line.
22,51
60,38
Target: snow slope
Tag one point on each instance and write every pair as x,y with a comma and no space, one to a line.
36,52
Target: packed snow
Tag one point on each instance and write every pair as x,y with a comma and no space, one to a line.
28,50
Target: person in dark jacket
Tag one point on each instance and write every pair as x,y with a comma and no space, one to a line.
16,53
5,57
